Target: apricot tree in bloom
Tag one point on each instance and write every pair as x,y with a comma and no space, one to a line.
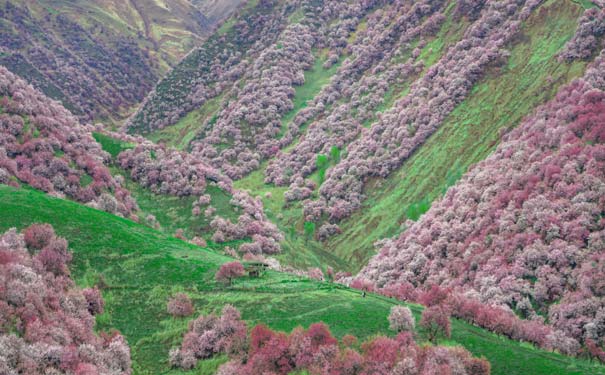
180,305
229,271
401,319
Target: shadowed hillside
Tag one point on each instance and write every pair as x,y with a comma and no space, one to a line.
100,58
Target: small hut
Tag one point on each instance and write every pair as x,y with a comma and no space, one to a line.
255,269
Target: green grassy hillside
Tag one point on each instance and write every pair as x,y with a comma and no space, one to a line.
139,268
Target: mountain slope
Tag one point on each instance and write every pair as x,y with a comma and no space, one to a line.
207,71
525,227
369,126
99,58
215,10
42,145
469,134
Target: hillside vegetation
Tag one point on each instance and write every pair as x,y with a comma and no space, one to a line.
326,111
528,75
496,104
524,227
138,269
393,169
100,58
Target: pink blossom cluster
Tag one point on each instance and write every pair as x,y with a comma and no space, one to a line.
504,322
345,18
44,146
471,9
229,271
180,305
252,223
524,228
46,322
585,41
317,352
210,335
168,171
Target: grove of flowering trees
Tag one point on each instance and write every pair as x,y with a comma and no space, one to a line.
167,171
251,224
46,322
44,146
523,229
254,69
209,70
209,335
442,303
314,350
247,129
405,126
585,41
249,122
336,114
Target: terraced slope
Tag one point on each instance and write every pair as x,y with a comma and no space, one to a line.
139,268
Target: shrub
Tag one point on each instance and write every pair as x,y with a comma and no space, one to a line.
37,236
94,300
55,256
180,305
